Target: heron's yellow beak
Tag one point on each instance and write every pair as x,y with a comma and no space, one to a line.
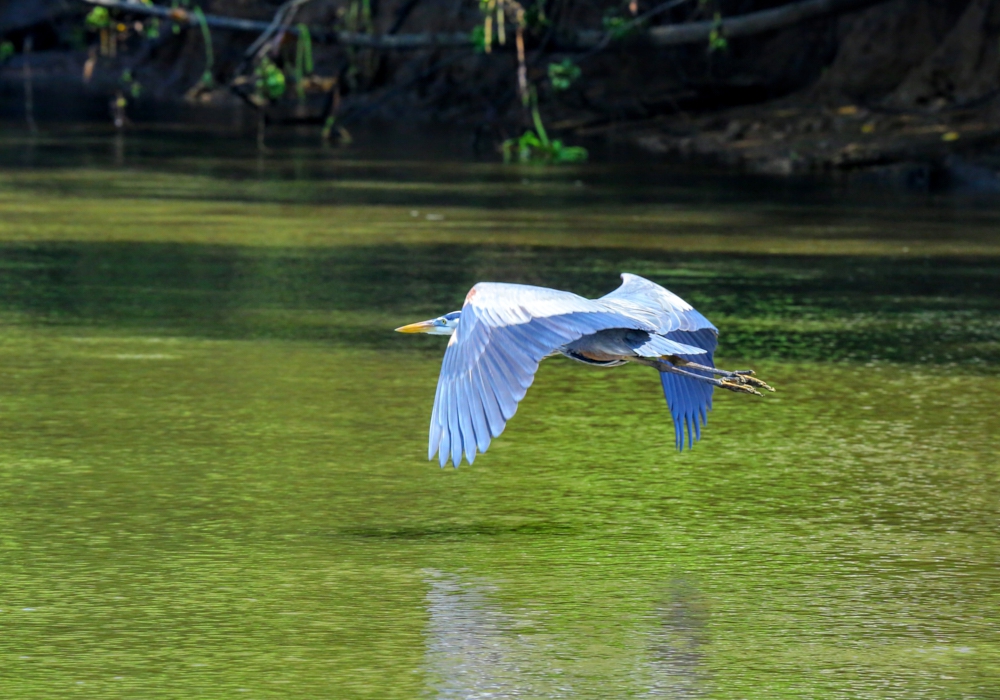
422,327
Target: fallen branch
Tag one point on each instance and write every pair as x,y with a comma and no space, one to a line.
665,35
734,27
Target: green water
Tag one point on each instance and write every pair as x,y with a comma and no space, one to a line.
212,473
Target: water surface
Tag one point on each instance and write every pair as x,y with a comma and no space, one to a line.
212,474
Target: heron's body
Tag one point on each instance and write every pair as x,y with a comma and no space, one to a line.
504,330
615,346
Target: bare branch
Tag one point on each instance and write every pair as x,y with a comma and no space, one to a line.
393,42
665,35
282,18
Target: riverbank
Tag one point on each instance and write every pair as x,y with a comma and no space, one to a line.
904,93
913,150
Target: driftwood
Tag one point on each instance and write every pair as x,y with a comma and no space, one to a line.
732,27
754,22
663,36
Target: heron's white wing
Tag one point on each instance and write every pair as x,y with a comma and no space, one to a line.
504,332
689,400
642,299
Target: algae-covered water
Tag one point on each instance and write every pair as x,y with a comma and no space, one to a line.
212,446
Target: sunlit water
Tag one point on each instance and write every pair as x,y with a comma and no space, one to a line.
212,473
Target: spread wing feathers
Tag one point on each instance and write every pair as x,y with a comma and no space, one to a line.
505,331
688,399
665,311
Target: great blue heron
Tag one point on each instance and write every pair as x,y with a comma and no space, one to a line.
504,330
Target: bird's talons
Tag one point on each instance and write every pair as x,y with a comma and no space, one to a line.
753,381
739,387
746,376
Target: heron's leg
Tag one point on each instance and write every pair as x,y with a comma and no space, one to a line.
727,383
740,376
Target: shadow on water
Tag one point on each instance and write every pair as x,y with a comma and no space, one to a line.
458,532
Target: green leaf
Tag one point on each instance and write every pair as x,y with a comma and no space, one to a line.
534,17
571,154
271,81
562,75
531,149
616,25
716,41
478,38
98,18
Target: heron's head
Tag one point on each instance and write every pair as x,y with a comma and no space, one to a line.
442,325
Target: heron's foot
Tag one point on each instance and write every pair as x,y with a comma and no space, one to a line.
739,376
740,381
739,387
745,376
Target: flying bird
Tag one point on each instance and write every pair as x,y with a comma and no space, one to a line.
504,331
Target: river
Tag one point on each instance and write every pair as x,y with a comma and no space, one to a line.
213,475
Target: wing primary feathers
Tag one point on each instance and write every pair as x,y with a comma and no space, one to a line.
434,435
519,367
478,414
519,380
444,447
465,423
502,371
504,393
491,409
457,439
449,426
500,396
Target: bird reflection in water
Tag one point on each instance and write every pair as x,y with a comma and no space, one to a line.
676,643
476,650
473,649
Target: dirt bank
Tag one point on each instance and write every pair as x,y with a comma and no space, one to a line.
911,99
906,91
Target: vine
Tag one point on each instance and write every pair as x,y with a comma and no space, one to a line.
536,147
533,146
207,79
303,61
